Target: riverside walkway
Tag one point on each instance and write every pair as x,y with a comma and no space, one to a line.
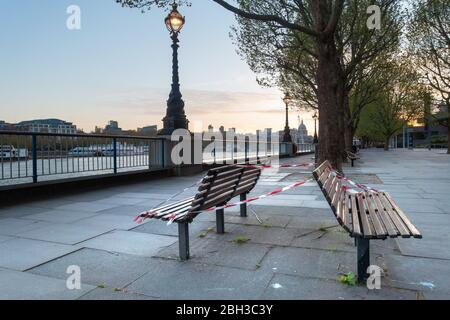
289,247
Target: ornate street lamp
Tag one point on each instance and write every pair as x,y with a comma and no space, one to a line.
287,132
315,117
175,116
316,139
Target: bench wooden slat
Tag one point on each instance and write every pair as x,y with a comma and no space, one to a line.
327,185
391,227
411,227
345,212
190,199
183,208
402,229
323,177
337,194
366,225
387,223
396,218
355,219
377,224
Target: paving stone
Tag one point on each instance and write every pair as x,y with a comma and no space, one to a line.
65,233
160,227
263,235
12,226
19,211
259,219
287,287
200,281
93,206
5,238
309,262
97,267
120,200
424,274
313,221
25,286
220,252
109,221
111,294
333,239
129,211
60,216
129,242
23,254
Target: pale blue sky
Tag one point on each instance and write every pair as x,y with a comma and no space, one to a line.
118,67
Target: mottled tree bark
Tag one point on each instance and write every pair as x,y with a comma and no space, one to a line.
328,97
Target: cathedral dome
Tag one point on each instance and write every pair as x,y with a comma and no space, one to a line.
302,129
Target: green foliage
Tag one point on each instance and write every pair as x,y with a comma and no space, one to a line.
240,240
348,279
400,101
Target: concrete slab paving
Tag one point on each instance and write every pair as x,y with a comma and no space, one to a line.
288,287
189,280
65,233
113,294
324,264
129,242
25,286
108,221
98,267
93,206
160,227
22,254
13,226
221,253
60,216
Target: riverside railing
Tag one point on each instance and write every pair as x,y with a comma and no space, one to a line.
241,150
32,157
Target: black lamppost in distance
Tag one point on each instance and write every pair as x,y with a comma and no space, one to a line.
287,132
315,117
175,116
316,139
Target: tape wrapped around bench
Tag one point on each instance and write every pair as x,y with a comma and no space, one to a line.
217,188
370,215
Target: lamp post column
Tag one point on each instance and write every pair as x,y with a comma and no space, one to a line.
316,140
175,115
287,131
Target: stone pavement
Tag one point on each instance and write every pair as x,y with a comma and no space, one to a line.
294,249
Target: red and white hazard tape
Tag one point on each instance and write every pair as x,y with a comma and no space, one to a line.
360,186
173,216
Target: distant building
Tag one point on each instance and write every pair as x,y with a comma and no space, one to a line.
112,128
148,130
47,126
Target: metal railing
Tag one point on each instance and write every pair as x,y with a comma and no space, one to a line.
32,157
244,150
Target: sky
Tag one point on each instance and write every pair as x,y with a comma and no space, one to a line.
118,67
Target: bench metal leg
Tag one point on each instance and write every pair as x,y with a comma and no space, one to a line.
353,162
363,255
183,240
243,197
220,221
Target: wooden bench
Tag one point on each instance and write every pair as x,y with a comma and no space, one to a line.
352,157
366,215
216,189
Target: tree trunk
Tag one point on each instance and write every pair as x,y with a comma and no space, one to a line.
328,97
386,144
349,134
448,140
